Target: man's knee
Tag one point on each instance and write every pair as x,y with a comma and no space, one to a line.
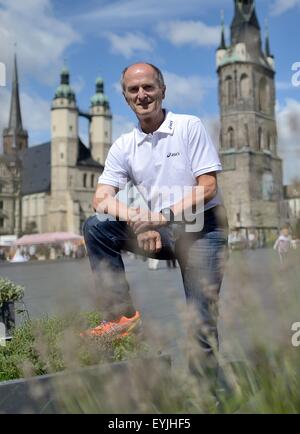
88,225
100,225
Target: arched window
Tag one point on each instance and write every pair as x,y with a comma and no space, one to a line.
92,180
244,86
230,138
269,141
84,179
246,133
264,95
229,90
267,186
260,139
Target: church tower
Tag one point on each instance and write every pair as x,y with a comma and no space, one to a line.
15,143
15,138
251,182
64,153
101,124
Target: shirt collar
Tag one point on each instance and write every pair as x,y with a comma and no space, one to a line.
167,127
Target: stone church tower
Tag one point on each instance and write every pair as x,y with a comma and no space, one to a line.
64,153
101,124
15,143
15,138
251,182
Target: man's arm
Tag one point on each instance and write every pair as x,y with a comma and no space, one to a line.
203,192
104,201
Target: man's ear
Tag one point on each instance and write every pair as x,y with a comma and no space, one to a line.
164,92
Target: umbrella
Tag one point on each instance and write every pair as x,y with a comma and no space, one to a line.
47,238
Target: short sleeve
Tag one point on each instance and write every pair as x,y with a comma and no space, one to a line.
202,153
115,171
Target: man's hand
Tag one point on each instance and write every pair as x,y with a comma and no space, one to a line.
144,220
150,241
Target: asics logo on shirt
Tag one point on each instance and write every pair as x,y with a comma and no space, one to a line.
176,154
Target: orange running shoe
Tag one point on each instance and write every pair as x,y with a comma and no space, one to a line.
121,327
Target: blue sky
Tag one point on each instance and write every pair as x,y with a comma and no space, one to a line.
101,37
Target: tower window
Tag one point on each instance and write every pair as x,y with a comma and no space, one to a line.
1,204
229,90
267,186
92,180
84,180
260,139
244,86
230,138
246,129
62,155
269,141
263,95
1,222
70,128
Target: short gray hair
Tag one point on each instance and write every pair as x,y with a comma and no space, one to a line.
159,75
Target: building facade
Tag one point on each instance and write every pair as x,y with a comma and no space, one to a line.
49,187
251,183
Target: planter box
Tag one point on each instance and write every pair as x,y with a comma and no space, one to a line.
109,388
7,316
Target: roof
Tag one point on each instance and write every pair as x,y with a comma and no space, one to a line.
36,173
85,158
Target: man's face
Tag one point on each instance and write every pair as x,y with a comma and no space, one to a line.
142,90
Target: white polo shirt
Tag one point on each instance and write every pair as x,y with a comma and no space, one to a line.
171,157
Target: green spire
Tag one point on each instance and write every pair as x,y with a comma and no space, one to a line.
64,90
100,99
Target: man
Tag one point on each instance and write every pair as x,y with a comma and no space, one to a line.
164,151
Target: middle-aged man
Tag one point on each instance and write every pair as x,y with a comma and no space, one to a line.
173,163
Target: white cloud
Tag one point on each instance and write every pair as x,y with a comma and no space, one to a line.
189,32
41,38
35,112
183,92
288,122
281,6
119,14
129,44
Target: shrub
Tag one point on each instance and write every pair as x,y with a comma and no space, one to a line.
48,345
10,291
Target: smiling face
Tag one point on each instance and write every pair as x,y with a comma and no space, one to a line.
143,91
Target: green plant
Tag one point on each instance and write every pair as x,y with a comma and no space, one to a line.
48,345
10,291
